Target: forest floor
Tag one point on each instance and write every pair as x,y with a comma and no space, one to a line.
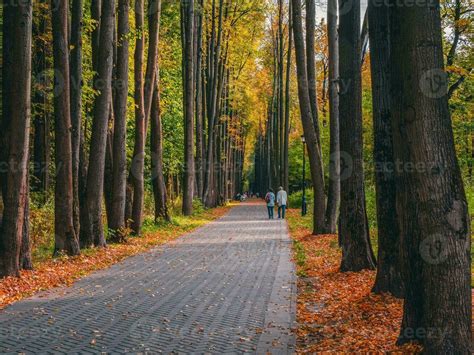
336,311
51,272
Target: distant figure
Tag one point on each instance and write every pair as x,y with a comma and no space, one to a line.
282,198
270,199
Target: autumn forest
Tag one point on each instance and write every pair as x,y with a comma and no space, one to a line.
127,125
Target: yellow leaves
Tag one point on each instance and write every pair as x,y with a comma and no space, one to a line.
454,69
463,24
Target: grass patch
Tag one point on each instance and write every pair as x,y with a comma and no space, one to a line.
300,258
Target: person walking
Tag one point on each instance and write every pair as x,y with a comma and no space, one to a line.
270,200
282,198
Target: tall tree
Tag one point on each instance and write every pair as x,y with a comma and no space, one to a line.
286,146
93,226
357,252
198,74
154,12
76,104
136,189
388,262
188,77
307,120
65,234
117,216
431,202
214,54
40,179
334,189
15,129
281,101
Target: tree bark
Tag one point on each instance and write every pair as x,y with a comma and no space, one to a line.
431,203
388,262
117,215
334,188
357,252
15,129
307,120
95,179
65,234
188,78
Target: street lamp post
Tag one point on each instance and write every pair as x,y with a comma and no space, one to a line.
303,202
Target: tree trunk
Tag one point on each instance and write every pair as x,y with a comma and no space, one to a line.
431,203
334,188
214,54
41,150
26,263
76,104
95,179
85,237
65,234
388,262
281,95
154,13
41,141
307,120
136,192
117,215
357,252
311,64
96,10
158,180
188,78
286,147
15,129
199,99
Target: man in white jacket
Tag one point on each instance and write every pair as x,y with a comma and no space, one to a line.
282,198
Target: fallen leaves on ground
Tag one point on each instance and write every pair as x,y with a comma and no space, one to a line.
336,312
64,271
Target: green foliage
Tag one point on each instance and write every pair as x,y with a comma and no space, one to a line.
295,171
295,199
41,226
171,88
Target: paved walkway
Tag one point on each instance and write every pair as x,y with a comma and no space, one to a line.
228,287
